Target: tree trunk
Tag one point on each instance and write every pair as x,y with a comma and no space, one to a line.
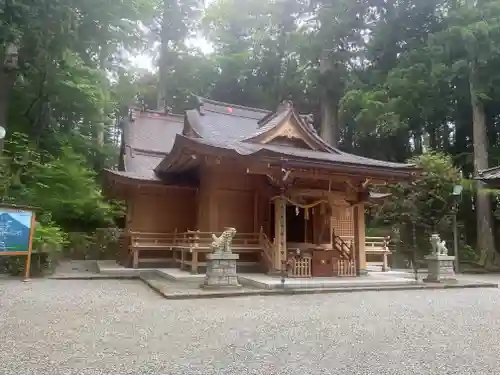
163,61
7,79
329,122
329,128
485,239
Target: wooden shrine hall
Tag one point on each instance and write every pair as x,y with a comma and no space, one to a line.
296,202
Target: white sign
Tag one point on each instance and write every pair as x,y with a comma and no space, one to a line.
2,132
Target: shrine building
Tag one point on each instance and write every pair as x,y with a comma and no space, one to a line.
296,202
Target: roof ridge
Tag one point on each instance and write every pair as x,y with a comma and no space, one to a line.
489,169
284,106
238,106
142,151
225,113
157,112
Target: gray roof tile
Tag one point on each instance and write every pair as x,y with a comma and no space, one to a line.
245,149
153,132
147,140
151,136
490,174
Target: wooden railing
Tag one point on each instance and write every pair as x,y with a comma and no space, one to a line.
267,251
183,248
379,246
342,247
301,267
197,239
344,267
376,246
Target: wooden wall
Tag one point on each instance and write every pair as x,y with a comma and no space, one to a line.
161,209
227,198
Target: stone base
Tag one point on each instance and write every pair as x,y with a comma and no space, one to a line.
440,268
221,271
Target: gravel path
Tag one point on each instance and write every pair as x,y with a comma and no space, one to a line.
50,327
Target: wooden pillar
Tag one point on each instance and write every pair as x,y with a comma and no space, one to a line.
256,224
194,263
279,232
359,238
362,238
135,261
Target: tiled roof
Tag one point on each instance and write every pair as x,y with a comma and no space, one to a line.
489,174
247,149
226,123
147,139
224,126
151,136
152,132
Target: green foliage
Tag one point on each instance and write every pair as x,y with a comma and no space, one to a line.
399,73
100,244
59,110
424,206
61,185
48,236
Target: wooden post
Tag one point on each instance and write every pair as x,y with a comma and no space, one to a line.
359,238
255,211
30,248
279,232
330,224
305,225
385,264
355,217
135,263
194,262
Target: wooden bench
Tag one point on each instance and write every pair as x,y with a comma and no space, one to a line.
187,249
191,248
375,246
378,246
161,242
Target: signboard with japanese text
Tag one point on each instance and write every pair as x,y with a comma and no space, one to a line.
16,232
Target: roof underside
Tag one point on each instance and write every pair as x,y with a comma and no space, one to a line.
156,142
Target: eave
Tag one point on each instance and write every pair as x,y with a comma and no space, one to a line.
188,153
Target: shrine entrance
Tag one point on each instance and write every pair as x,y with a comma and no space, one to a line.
299,228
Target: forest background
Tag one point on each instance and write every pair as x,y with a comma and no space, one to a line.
389,79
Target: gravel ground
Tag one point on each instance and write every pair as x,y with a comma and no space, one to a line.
121,327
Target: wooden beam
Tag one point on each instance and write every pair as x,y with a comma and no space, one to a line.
312,174
356,175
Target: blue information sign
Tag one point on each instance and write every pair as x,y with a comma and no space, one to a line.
15,231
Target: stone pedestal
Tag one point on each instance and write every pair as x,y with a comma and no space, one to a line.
440,268
221,271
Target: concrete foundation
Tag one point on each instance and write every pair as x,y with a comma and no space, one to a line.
440,268
221,271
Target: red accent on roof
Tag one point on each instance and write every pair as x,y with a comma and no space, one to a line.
229,109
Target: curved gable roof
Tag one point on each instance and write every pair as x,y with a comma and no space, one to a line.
226,122
155,141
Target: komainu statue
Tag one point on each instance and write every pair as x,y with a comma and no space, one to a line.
438,246
223,243
442,248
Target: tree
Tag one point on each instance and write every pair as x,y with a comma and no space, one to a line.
424,206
